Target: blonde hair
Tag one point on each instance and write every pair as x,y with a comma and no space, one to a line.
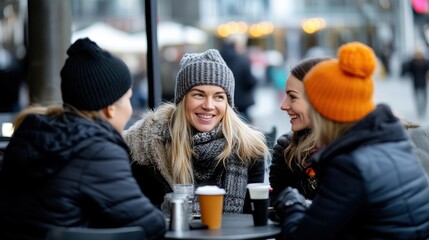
54,111
327,131
301,149
249,143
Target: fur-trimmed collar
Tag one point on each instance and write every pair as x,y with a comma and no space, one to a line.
149,139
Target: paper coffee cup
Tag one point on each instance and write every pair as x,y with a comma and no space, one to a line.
259,200
211,205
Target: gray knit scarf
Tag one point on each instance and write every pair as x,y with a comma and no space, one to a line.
232,177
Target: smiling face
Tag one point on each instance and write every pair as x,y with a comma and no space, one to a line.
205,106
296,104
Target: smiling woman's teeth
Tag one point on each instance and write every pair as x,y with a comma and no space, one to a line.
293,116
205,116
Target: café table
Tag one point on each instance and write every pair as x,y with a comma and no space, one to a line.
234,226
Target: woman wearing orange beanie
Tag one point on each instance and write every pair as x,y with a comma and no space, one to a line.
371,186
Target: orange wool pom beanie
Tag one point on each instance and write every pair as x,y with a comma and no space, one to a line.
342,90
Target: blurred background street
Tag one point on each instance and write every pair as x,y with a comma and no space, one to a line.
273,35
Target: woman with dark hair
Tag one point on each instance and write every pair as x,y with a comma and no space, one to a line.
290,163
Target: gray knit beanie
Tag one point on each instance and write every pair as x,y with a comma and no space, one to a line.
92,78
207,68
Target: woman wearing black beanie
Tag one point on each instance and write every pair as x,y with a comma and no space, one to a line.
68,166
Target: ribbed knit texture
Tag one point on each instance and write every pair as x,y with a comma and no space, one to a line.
342,90
232,177
92,78
206,68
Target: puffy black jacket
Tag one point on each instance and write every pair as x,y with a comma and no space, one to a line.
70,172
371,187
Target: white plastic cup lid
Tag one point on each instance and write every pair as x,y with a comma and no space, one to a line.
259,190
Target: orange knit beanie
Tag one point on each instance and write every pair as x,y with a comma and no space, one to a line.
342,90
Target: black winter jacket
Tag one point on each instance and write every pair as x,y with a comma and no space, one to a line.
281,176
70,172
371,187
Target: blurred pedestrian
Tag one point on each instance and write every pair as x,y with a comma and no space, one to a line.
290,162
12,78
198,139
385,56
371,186
69,166
245,82
418,67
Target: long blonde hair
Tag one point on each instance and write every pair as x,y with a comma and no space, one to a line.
300,149
250,144
54,111
327,131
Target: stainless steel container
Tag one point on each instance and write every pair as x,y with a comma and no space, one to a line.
179,215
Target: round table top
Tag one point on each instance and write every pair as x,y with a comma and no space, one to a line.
234,226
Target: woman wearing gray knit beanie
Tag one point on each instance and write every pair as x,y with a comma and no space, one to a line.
199,138
69,166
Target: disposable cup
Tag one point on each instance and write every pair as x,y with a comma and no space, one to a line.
259,201
211,205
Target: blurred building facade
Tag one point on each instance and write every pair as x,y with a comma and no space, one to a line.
295,29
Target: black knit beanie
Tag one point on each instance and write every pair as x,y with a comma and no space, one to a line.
92,78
207,68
